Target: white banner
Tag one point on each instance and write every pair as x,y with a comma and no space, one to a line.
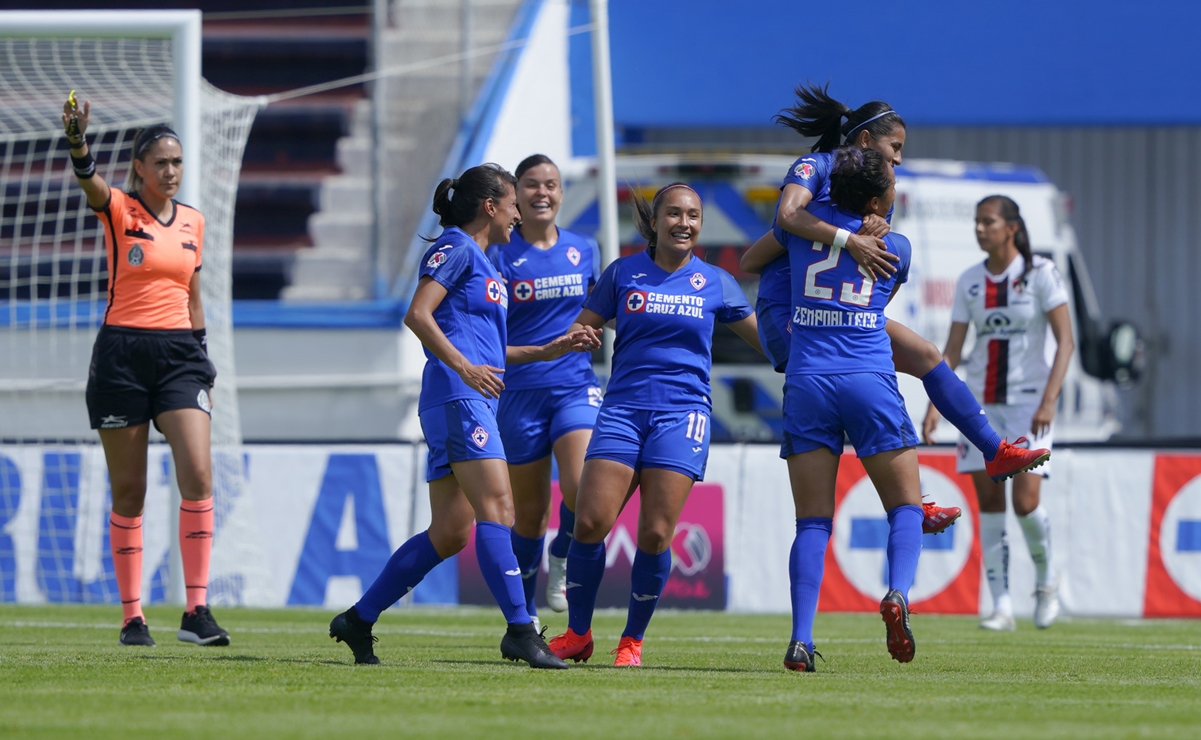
326,519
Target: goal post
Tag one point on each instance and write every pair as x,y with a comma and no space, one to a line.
138,68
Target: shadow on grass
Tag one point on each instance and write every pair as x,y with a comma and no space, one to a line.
662,668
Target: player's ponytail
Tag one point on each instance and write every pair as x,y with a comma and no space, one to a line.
857,176
1008,210
815,114
457,201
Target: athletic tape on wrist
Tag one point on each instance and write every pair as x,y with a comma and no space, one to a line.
840,238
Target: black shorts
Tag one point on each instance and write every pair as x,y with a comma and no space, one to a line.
137,374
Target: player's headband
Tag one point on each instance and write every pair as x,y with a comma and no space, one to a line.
150,135
659,195
878,115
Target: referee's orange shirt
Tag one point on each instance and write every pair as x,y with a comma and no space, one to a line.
150,263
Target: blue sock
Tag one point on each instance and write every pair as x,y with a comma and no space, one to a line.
494,550
806,565
647,579
904,547
585,569
403,571
529,558
951,397
562,540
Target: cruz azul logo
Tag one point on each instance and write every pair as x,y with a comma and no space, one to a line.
1174,547
495,293
480,437
523,290
573,256
697,280
635,301
948,573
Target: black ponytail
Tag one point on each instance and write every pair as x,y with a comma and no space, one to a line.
858,175
471,189
645,212
1009,211
816,114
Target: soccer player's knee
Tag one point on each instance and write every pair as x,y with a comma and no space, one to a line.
655,537
928,356
449,538
589,528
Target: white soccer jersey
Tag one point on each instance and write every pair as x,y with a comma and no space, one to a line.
1011,359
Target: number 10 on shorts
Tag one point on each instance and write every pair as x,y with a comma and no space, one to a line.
696,426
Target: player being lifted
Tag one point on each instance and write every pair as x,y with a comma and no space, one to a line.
841,382
875,126
653,428
1011,298
458,313
547,406
149,363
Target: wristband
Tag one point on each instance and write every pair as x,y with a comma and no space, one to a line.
85,166
840,238
199,334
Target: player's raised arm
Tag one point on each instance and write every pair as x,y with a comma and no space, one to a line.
75,124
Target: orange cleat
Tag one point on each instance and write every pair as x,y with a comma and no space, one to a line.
570,646
937,518
1013,458
628,652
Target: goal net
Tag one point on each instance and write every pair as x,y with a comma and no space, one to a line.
137,69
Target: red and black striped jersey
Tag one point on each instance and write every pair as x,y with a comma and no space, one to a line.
1011,358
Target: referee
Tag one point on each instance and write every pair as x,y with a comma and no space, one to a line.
149,362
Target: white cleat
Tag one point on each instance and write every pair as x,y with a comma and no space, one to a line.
999,622
1046,605
556,583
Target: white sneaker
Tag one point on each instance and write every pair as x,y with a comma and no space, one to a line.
556,583
1046,605
999,622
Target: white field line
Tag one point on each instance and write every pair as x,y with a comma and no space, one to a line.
387,630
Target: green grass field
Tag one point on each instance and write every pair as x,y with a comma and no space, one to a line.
705,674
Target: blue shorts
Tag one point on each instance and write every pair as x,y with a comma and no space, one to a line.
640,438
822,410
775,332
459,431
532,420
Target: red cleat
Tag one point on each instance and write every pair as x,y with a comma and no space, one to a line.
628,652
1012,459
937,518
895,613
570,646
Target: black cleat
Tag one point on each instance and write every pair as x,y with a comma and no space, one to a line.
200,628
798,658
523,642
895,612
350,628
135,632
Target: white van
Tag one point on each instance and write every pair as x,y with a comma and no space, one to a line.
936,206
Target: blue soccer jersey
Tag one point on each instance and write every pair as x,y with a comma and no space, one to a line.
811,172
664,347
837,308
472,315
546,290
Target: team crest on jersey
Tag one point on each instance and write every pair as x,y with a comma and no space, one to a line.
204,402
523,290
974,290
635,301
573,256
804,170
136,256
697,280
480,437
436,259
496,294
